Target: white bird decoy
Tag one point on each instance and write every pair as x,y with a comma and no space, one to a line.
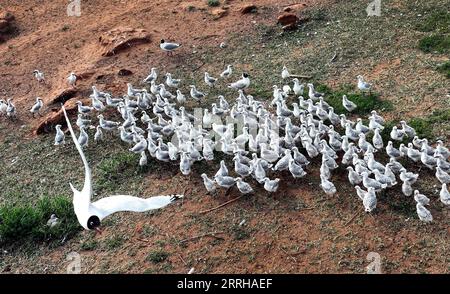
327,186
152,76
423,213
39,76
227,72
10,109
285,73
83,138
53,221
143,159
210,185
409,177
195,94
243,187
98,134
420,198
72,80
59,137
397,134
171,82
362,85
392,151
271,186
298,88
90,214
83,109
360,192
353,177
349,105
209,80
371,183
407,190
370,200
107,124
444,195
295,169
409,131
442,176
36,108
168,47
181,98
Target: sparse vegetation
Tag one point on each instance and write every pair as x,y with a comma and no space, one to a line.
366,102
213,3
157,256
435,43
20,223
438,20
114,242
444,69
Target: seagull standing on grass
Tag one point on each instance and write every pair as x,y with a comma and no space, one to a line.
241,84
362,85
169,47
59,137
90,214
227,72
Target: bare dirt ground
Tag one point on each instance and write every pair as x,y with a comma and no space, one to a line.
298,230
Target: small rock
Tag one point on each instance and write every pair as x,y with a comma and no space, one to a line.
219,13
287,19
223,45
250,8
125,72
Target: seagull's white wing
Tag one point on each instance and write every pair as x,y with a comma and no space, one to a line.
87,188
112,204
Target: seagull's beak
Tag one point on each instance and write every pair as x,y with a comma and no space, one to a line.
98,230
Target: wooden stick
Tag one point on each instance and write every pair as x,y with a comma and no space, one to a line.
353,217
221,205
210,234
181,257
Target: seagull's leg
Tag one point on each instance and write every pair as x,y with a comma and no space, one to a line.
228,190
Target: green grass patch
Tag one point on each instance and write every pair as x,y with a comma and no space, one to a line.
21,223
435,43
157,256
89,245
436,21
365,102
115,169
444,69
114,242
213,3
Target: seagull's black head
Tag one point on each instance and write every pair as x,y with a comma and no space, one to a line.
162,41
93,223
245,75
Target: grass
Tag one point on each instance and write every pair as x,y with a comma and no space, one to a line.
89,245
114,242
115,169
424,126
444,69
435,43
157,256
436,21
365,102
21,223
213,3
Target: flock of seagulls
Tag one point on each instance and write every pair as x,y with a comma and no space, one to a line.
262,137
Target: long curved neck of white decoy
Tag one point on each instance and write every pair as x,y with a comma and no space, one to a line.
87,188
